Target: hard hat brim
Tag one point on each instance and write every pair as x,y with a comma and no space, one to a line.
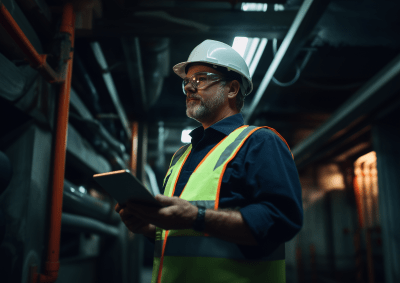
179,69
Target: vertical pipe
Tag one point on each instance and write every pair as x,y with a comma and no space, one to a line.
144,141
134,147
358,197
369,213
52,264
358,180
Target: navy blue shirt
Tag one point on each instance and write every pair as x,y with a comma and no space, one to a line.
262,179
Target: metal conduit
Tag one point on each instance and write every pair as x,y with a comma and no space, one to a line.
79,224
36,60
86,205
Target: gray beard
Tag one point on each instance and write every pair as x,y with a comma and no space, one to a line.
204,110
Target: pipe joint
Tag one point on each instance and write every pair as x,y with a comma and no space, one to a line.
51,273
46,70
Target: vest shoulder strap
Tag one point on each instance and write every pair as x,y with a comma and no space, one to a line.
178,154
272,129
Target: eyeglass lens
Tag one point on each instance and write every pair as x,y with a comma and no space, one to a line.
200,80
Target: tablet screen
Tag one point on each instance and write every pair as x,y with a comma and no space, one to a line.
123,186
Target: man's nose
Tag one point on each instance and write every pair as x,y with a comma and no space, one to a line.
189,88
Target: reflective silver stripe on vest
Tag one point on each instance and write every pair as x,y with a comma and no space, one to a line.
205,203
179,154
209,247
228,151
208,204
158,247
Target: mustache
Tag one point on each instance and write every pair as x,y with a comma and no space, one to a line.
193,97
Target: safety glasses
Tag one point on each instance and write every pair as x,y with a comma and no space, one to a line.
200,80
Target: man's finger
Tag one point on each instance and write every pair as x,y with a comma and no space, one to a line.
117,208
127,212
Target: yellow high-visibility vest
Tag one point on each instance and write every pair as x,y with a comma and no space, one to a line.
189,256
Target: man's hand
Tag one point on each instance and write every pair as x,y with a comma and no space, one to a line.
177,213
133,223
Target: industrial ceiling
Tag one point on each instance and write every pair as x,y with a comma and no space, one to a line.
316,55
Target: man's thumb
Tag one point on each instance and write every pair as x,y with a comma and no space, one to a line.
159,197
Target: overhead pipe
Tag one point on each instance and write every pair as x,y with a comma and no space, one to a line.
96,133
90,128
306,19
36,60
377,91
91,97
150,76
109,82
52,264
101,140
156,51
135,68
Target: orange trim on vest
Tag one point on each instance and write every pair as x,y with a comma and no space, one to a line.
173,192
173,159
279,136
219,182
167,231
226,164
179,173
208,155
162,257
237,149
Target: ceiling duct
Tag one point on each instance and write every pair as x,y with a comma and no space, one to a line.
155,59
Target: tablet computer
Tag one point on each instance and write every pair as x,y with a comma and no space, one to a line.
123,186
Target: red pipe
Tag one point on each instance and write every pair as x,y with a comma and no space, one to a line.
134,151
52,264
36,60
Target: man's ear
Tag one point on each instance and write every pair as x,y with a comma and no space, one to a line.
234,88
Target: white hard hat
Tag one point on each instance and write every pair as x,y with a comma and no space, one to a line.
220,54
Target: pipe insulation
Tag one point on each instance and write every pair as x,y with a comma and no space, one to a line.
79,224
83,204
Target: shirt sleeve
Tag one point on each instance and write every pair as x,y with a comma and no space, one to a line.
275,211
151,239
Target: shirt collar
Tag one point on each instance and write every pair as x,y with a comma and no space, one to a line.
225,126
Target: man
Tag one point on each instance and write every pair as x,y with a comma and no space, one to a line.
232,197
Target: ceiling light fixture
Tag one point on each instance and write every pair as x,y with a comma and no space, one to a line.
185,137
240,44
251,49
